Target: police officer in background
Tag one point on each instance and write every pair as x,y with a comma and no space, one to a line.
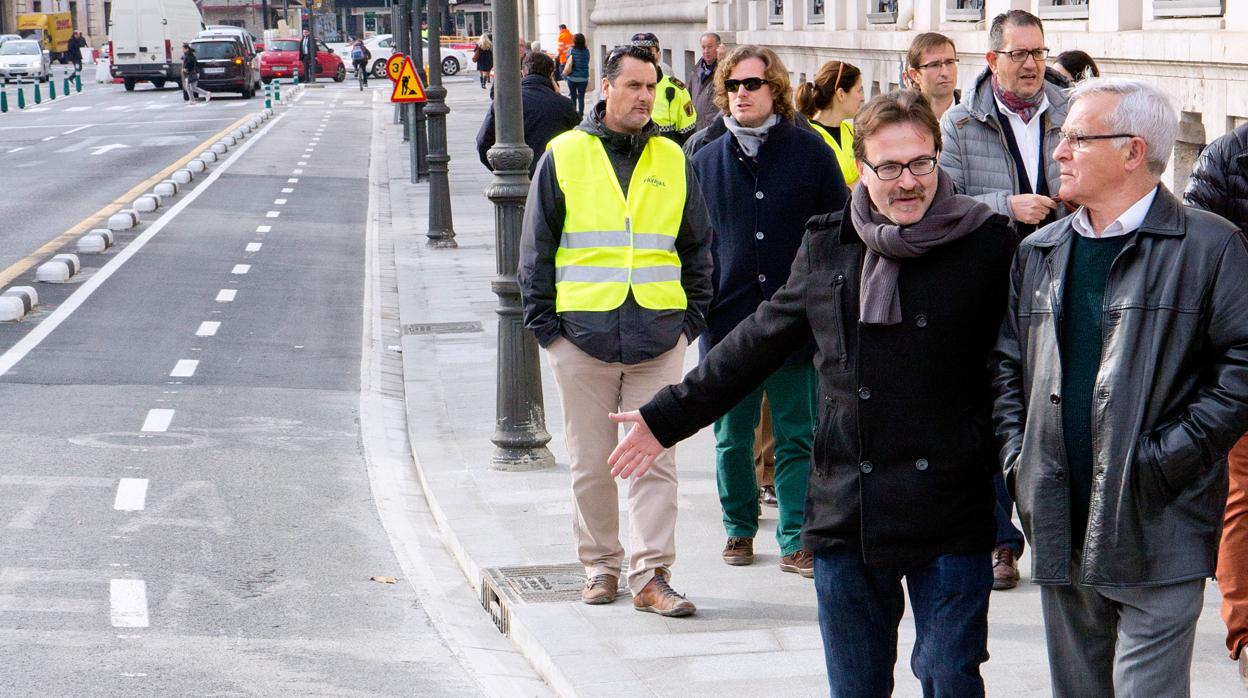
615,274
674,112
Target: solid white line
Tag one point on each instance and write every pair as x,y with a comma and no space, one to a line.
20,147
263,228
76,130
240,269
253,247
207,328
127,599
226,295
185,368
25,345
157,420
272,214
49,138
131,494
279,202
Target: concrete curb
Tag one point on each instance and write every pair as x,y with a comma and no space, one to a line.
62,268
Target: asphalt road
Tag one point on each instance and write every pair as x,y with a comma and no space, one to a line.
184,502
66,158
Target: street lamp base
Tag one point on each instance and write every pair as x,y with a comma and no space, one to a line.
519,460
444,243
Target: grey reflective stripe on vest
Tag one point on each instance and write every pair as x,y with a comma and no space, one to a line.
616,238
642,275
591,274
593,238
649,275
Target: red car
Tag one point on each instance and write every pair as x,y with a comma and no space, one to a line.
281,60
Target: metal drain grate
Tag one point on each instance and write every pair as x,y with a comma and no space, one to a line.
443,328
503,586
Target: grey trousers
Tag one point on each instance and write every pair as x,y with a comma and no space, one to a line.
1122,642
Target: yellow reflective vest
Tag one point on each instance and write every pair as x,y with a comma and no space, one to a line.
844,150
611,244
673,108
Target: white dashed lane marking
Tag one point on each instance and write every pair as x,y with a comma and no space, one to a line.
185,368
263,228
207,328
226,295
131,494
127,600
272,214
157,420
253,247
279,202
240,269
288,190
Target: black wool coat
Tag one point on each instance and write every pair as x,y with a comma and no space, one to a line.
904,453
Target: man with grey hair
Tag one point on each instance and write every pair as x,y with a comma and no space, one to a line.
701,81
1121,376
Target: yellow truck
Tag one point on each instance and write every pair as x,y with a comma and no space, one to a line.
51,29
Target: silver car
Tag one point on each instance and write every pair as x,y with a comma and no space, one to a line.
24,60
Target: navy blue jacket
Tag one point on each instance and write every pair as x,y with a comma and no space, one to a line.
758,209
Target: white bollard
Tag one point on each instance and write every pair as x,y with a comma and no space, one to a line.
196,166
220,147
147,203
11,309
182,176
61,269
228,140
166,189
26,294
207,156
93,243
237,134
122,220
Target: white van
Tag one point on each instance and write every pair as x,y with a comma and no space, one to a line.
146,37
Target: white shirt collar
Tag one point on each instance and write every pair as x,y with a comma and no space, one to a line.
1129,222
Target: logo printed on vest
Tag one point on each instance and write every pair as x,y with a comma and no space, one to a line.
654,181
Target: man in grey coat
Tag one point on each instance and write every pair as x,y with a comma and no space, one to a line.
701,81
1121,376
999,140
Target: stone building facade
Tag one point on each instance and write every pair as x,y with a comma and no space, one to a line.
1197,50
90,16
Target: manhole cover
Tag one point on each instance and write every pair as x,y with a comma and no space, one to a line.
443,328
540,583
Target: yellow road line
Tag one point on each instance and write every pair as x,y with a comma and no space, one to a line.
24,265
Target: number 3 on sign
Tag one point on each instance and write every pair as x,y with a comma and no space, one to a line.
394,66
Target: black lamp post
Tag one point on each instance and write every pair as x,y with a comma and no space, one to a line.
520,422
441,228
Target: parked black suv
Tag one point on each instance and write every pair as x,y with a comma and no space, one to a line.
225,66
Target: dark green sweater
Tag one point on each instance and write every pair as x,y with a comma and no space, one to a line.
1083,308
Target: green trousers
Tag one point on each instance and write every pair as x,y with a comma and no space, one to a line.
792,393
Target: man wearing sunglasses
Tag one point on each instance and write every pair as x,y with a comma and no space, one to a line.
902,294
1121,376
762,181
999,140
615,276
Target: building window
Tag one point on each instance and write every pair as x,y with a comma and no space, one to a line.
1064,9
882,12
73,15
964,10
1188,8
775,11
108,16
815,12
36,6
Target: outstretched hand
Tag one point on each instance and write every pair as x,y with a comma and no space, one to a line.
634,455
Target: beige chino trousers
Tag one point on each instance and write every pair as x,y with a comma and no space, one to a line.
590,389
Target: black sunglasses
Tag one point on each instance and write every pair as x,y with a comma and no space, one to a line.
751,84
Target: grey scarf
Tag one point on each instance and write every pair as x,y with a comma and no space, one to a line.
751,139
950,216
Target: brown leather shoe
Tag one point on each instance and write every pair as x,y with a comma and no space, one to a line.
1004,569
600,589
800,562
657,596
767,496
739,551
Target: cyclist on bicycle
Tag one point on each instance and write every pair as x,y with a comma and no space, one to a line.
360,56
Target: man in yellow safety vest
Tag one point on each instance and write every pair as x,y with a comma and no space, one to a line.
674,111
615,273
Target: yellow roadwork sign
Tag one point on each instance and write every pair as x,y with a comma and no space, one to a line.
407,85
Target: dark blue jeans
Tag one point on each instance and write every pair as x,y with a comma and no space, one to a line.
860,607
1008,535
576,91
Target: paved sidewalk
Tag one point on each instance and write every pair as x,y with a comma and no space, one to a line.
755,632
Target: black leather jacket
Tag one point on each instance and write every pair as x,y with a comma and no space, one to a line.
1171,398
1220,181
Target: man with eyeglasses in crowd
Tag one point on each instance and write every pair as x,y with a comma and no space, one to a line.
933,70
1005,130
903,295
1121,376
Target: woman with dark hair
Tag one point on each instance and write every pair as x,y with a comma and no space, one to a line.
830,103
576,70
1076,66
